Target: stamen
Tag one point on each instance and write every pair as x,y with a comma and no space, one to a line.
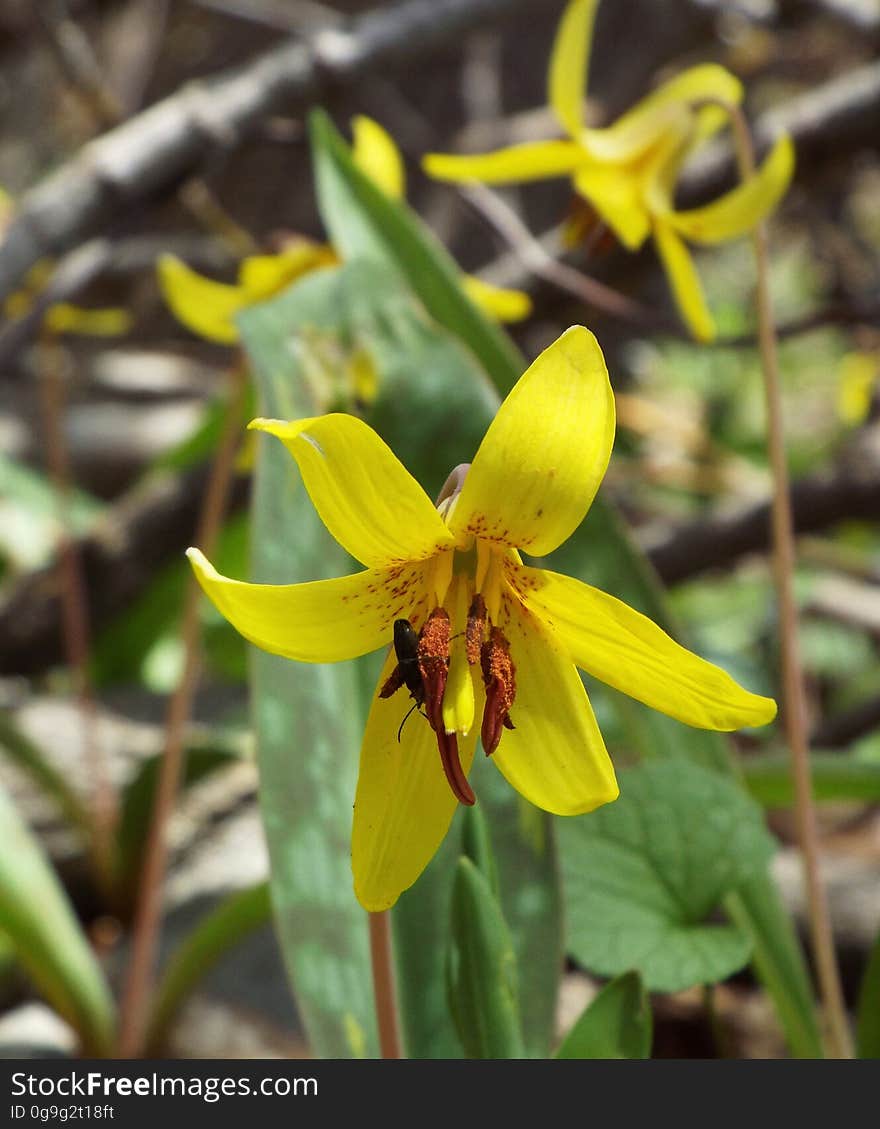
433,658
476,629
499,677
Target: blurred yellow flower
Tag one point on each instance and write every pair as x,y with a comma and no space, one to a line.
628,170
858,376
208,308
62,317
476,632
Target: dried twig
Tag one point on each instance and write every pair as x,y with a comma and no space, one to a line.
152,152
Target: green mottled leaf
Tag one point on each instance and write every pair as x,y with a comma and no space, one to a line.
36,917
617,1024
644,875
482,970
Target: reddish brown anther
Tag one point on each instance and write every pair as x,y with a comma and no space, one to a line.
476,629
433,658
499,677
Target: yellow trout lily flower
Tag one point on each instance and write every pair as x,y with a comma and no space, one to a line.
627,171
476,632
209,308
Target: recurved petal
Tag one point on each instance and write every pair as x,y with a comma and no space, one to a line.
377,156
545,453
555,756
262,276
569,63
504,305
622,647
110,321
639,128
204,306
535,160
684,281
318,622
365,496
403,805
741,209
616,194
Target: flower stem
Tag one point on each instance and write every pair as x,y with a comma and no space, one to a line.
838,1037
148,913
383,984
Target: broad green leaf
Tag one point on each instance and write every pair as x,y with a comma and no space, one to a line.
836,777
617,1024
642,876
482,970
137,803
231,921
370,224
49,942
868,1012
432,408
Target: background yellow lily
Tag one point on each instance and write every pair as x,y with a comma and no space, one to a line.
531,483
628,170
208,308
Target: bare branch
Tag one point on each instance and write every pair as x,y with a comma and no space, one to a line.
152,152
818,501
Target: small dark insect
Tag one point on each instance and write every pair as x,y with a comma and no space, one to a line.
407,672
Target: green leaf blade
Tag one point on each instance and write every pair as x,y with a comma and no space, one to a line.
617,1024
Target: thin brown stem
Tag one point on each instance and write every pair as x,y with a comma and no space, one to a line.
148,912
383,984
74,611
838,1038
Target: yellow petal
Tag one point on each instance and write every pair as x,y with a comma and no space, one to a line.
403,805
262,276
740,210
64,318
545,453
857,375
365,496
377,156
555,756
684,281
569,62
319,622
639,128
622,647
202,305
504,305
616,194
536,160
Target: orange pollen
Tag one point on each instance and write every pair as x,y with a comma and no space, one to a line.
476,629
499,677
